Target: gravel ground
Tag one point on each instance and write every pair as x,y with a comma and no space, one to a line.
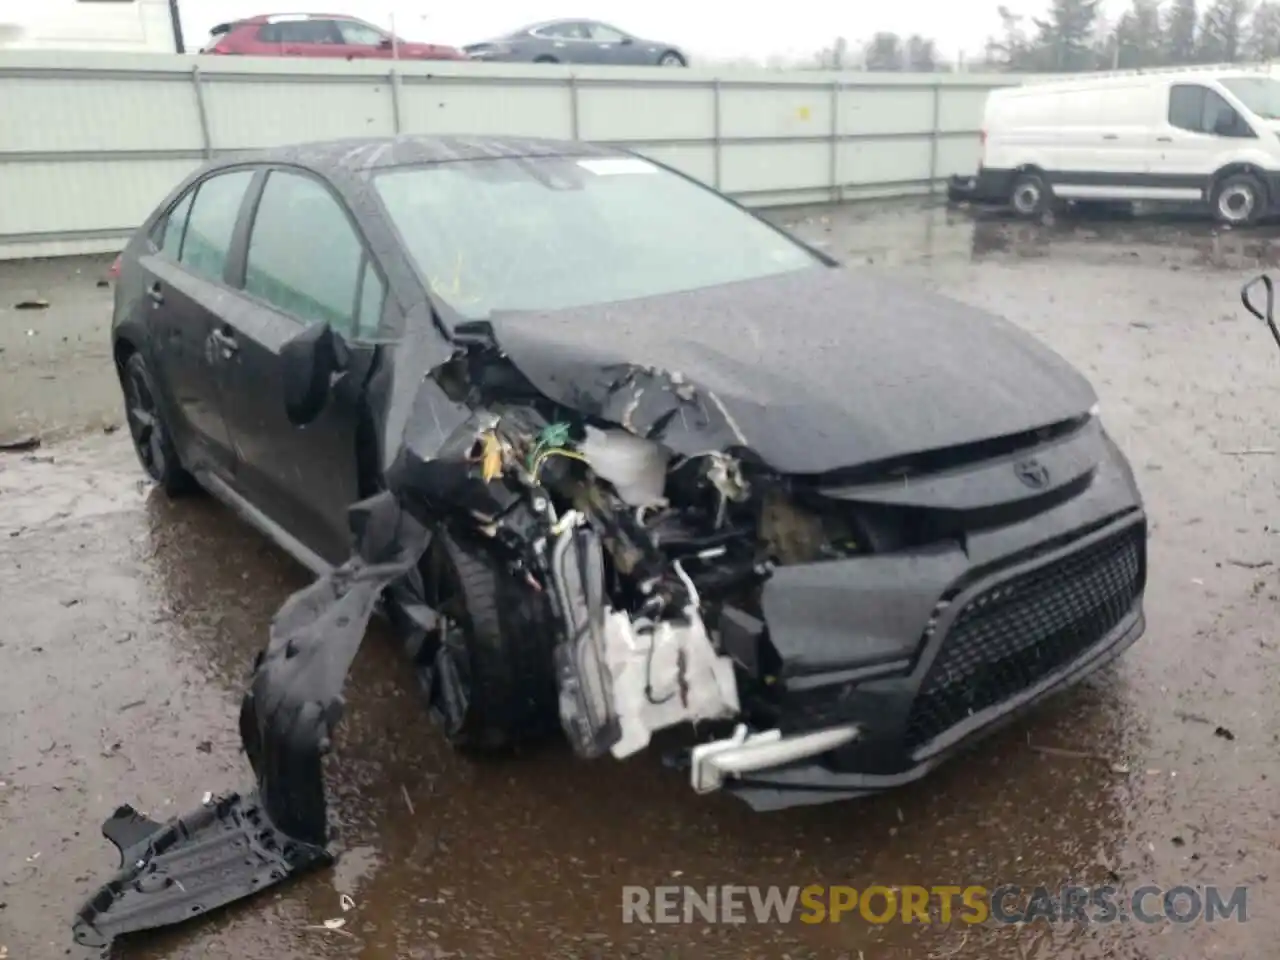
133,622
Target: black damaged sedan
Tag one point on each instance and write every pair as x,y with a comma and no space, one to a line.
615,455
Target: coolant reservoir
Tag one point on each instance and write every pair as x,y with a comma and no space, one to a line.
637,468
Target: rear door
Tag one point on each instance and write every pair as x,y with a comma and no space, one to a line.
304,262
613,46
1105,142
303,38
568,41
187,288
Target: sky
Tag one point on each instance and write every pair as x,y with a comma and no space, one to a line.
704,27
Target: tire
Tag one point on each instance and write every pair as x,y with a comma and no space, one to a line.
1238,200
152,441
502,647
1030,196
545,59
671,59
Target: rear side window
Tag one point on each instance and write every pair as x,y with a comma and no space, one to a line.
212,221
1201,110
305,257
563,31
169,231
300,31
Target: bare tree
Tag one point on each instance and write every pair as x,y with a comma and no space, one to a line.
1222,31
884,52
1264,32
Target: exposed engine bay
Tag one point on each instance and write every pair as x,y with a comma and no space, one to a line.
632,549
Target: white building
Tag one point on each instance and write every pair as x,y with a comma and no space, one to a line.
127,25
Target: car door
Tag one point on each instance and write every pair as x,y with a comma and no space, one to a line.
613,46
302,261
363,41
305,38
567,41
186,277
1201,134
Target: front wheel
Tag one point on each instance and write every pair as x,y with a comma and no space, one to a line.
152,441
1238,200
498,686
671,59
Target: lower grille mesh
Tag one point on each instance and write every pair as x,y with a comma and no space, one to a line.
1011,635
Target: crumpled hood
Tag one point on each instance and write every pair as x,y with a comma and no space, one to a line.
812,371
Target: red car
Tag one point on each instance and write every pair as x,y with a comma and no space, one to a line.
318,35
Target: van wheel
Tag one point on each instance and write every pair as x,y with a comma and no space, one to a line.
1030,196
1238,200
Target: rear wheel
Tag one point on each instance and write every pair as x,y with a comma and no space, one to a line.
497,635
152,440
1030,196
1238,200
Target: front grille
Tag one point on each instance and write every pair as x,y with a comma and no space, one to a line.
1015,633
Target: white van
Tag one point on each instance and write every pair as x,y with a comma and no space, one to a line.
134,26
1196,134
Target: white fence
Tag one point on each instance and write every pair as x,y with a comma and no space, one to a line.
89,142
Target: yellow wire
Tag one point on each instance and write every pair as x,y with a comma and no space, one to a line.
557,452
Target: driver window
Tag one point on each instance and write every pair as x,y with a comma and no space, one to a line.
360,34
305,257
603,34
1201,110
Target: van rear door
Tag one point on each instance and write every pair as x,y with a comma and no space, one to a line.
1105,143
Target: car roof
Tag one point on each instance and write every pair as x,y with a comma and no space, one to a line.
359,155
553,23
288,17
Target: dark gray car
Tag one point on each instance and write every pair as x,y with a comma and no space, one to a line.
577,41
607,484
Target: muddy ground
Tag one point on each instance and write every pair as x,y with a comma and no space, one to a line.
130,623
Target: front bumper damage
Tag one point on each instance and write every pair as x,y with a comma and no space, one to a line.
828,667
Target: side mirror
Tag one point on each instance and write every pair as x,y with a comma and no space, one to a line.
627,41
1266,310
308,363
386,43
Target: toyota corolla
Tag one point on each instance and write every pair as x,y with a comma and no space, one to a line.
613,454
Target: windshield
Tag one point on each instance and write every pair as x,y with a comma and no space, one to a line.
552,233
1261,95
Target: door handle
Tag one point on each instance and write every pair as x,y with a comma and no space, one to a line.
1110,136
155,293
1164,139
225,341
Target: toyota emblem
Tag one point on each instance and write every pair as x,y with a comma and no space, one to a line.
1033,473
